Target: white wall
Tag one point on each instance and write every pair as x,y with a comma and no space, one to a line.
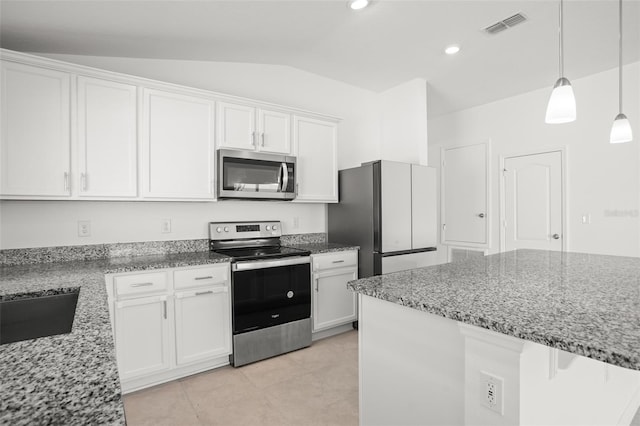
51,223
403,122
602,179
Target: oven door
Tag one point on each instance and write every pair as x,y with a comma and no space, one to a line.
270,292
255,175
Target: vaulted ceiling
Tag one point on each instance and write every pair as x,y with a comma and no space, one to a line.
376,48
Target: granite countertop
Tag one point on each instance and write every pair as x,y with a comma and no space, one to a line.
581,303
71,378
319,248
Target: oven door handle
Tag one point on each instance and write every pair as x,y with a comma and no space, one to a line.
262,264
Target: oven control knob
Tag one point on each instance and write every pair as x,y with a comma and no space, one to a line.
226,229
289,294
218,229
275,227
268,227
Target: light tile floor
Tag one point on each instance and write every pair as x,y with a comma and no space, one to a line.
313,386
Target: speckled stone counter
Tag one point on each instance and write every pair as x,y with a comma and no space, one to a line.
323,247
71,378
581,303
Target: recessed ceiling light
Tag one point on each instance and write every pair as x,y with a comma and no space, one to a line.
452,50
358,4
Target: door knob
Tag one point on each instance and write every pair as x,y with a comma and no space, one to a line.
556,236
481,215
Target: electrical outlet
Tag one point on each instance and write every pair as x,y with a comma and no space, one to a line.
84,228
491,392
165,226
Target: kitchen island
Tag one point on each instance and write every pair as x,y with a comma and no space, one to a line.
557,333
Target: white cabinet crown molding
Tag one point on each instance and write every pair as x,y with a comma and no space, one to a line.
54,64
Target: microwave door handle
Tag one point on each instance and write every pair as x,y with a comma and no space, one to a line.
280,179
285,177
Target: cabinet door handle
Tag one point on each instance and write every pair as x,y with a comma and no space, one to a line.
262,136
164,305
66,181
83,180
253,139
338,261
141,284
317,281
203,278
200,293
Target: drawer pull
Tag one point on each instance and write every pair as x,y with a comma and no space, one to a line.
200,293
164,305
204,278
338,261
141,284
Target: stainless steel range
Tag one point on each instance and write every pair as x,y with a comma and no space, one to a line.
270,288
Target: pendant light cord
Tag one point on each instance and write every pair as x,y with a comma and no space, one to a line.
620,59
561,41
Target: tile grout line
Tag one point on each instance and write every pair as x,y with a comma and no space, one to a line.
191,403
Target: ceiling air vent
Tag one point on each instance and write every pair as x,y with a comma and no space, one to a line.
505,23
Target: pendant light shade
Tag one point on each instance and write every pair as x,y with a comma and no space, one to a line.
562,103
621,129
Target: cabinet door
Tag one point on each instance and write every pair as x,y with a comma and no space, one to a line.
316,148
106,138
333,303
275,132
142,336
178,148
203,329
236,126
35,138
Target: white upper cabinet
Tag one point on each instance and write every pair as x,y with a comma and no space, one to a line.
178,146
248,128
316,145
71,132
35,140
274,130
107,138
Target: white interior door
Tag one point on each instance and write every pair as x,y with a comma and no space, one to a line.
533,202
464,213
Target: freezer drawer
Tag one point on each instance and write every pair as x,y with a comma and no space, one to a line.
409,261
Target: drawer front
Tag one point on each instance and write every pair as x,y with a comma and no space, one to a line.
200,277
138,284
334,260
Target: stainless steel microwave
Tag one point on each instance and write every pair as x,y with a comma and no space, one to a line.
253,175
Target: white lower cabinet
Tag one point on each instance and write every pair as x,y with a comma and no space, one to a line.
170,323
202,324
142,336
333,303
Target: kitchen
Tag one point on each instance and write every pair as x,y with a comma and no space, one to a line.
389,124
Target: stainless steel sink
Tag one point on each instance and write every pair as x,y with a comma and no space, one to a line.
31,316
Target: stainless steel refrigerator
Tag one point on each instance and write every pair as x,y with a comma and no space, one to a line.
388,209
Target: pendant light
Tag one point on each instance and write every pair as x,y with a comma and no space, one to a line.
621,129
562,103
